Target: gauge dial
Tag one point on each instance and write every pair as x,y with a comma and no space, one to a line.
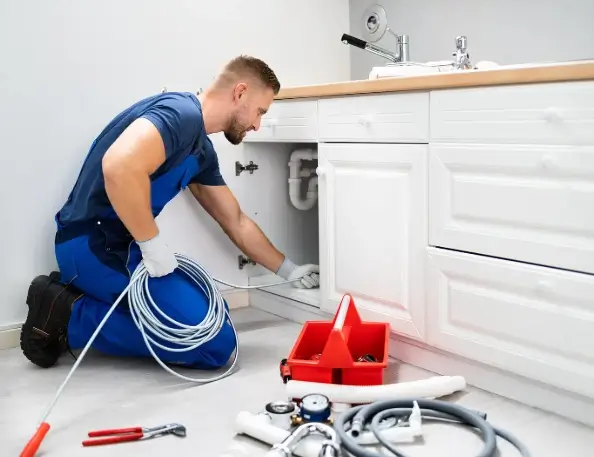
315,403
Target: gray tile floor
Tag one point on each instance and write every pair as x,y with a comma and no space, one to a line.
108,393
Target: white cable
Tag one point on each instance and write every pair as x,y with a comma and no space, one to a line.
188,337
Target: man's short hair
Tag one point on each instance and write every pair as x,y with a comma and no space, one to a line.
243,65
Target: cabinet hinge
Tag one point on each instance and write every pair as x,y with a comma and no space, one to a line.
242,261
251,167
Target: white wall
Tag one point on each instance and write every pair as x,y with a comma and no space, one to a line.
67,67
503,31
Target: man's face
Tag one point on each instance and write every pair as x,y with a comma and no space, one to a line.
250,103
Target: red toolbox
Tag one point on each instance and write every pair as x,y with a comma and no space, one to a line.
343,351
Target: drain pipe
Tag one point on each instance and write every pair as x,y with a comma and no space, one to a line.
296,173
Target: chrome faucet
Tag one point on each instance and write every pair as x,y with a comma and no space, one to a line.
462,61
402,47
401,54
375,25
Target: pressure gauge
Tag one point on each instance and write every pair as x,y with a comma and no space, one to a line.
315,408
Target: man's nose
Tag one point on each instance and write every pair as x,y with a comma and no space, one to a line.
256,125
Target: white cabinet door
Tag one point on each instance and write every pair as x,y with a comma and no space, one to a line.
534,321
532,203
373,231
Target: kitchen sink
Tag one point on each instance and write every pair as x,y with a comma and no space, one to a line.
419,69
410,69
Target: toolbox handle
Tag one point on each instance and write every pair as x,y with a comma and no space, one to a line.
347,314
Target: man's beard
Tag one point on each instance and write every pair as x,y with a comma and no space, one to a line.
235,132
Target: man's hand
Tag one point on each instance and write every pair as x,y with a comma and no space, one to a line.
158,259
309,275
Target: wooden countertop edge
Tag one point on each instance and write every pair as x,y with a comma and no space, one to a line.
558,73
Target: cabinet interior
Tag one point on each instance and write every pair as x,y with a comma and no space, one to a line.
293,231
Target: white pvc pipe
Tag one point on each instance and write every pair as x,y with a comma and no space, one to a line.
435,387
295,176
295,195
303,154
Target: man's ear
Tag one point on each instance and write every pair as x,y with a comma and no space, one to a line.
239,91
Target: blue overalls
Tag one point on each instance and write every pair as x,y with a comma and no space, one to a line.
98,254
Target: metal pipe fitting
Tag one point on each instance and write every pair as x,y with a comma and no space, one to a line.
330,447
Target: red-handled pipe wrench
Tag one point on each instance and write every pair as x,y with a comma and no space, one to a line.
120,435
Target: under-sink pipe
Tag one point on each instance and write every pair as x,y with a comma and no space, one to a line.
296,174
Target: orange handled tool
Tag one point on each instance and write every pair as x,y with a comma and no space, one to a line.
121,435
35,441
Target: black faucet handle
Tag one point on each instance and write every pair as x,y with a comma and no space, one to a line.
353,41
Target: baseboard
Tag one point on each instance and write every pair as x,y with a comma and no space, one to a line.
10,338
236,298
523,390
515,387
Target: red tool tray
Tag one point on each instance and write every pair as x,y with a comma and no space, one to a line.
327,352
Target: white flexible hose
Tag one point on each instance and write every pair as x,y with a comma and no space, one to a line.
434,387
189,337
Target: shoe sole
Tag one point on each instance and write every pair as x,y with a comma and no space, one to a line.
39,284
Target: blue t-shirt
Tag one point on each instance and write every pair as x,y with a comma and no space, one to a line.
178,117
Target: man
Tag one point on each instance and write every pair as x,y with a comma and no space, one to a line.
142,160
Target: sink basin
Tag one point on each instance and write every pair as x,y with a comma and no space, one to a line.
486,65
411,69
416,69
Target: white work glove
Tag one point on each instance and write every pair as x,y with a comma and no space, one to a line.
308,273
157,257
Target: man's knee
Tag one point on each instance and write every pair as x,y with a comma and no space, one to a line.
217,352
185,302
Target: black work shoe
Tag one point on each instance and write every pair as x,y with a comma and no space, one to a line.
43,336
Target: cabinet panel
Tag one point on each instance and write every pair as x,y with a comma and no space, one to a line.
373,225
381,118
528,203
553,113
534,321
288,120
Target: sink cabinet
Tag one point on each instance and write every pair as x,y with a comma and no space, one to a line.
465,218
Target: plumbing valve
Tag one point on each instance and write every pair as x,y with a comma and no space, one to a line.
462,57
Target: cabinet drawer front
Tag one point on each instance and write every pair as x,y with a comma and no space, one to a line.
288,120
382,118
527,203
552,113
534,321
